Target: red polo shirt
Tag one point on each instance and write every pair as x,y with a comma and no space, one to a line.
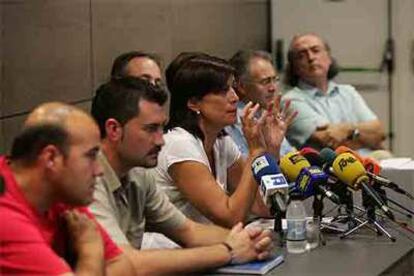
31,243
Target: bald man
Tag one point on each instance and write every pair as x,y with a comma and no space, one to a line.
329,114
48,177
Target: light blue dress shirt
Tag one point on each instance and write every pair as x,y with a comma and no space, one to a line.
342,103
236,132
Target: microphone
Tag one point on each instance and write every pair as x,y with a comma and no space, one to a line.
328,156
291,164
272,183
373,170
343,149
351,171
312,156
389,184
315,159
309,179
312,178
372,165
339,188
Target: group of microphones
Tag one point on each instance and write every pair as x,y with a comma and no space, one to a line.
331,174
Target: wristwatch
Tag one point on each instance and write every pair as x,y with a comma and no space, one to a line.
355,134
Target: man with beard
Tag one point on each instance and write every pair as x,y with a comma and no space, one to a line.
131,118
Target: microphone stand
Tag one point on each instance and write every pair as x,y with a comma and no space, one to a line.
317,206
399,205
277,226
369,206
317,213
382,193
347,201
407,215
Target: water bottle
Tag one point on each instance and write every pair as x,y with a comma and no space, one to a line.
296,226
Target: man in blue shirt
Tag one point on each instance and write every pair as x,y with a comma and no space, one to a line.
329,114
256,80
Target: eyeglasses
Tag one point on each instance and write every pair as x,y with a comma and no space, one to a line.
266,81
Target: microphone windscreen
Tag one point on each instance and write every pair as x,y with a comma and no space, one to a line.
349,170
342,149
372,165
306,150
291,164
312,156
327,155
264,164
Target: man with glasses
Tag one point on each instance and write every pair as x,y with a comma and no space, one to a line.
256,81
330,114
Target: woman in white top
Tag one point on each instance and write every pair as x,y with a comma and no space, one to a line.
200,167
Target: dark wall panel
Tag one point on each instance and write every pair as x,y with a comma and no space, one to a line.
125,25
46,55
204,26
219,27
11,127
63,49
46,52
168,27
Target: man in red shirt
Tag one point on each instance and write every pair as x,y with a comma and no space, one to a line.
48,177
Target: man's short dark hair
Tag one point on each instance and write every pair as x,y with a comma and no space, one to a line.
241,60
119,99
292,78
33,139
120,64
196,78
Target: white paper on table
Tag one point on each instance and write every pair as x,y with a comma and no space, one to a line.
269,223
402,163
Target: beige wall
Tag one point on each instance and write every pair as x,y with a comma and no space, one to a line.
63,49
357,31
404,77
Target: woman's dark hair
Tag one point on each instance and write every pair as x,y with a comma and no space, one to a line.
176,64
291,77
194,79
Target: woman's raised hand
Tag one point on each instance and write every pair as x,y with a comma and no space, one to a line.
276,123
252,125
